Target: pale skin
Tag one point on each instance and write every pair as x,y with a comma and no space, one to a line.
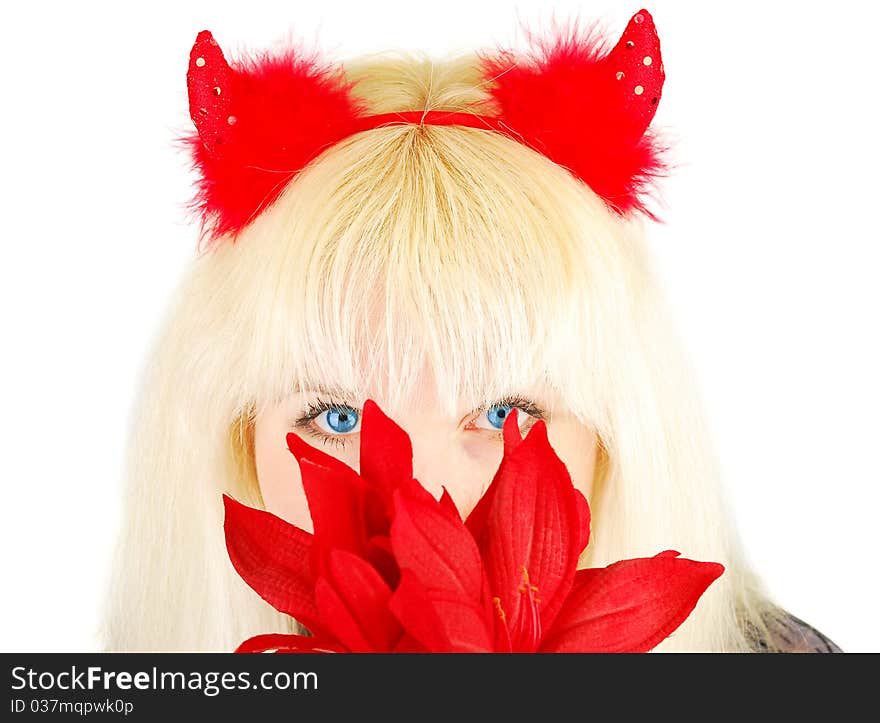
460,454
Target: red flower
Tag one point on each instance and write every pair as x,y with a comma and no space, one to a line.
338,581
390,568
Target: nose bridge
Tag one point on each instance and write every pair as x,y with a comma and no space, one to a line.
439,463
431,462
439,456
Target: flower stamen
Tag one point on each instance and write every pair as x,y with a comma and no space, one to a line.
529,613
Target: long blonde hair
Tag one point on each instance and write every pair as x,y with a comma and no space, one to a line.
402,246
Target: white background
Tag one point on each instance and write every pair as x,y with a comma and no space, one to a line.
769,252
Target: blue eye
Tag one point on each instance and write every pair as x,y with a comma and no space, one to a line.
498,413
330,421
338,420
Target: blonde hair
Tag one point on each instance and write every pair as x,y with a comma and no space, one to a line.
398,247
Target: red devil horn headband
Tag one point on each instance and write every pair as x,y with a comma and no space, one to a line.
260,121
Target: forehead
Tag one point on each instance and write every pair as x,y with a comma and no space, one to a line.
411,324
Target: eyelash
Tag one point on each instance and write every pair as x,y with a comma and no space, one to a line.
319,406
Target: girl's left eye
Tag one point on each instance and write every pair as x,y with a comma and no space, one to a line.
493,417
339,420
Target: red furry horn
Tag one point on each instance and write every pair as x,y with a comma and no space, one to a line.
262,120
259,123
587,111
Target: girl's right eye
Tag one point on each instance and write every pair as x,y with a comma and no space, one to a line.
330,422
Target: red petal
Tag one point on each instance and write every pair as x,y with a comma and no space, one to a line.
408,644
447,501
346,511
281,643
381,557
630,606
432,543
386,451
511,432
353,600
376,512
301,449
583,511
336,497
534,528
272,556
412,606
476,521
668,553
439,621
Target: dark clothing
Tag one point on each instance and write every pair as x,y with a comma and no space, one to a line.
796,636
